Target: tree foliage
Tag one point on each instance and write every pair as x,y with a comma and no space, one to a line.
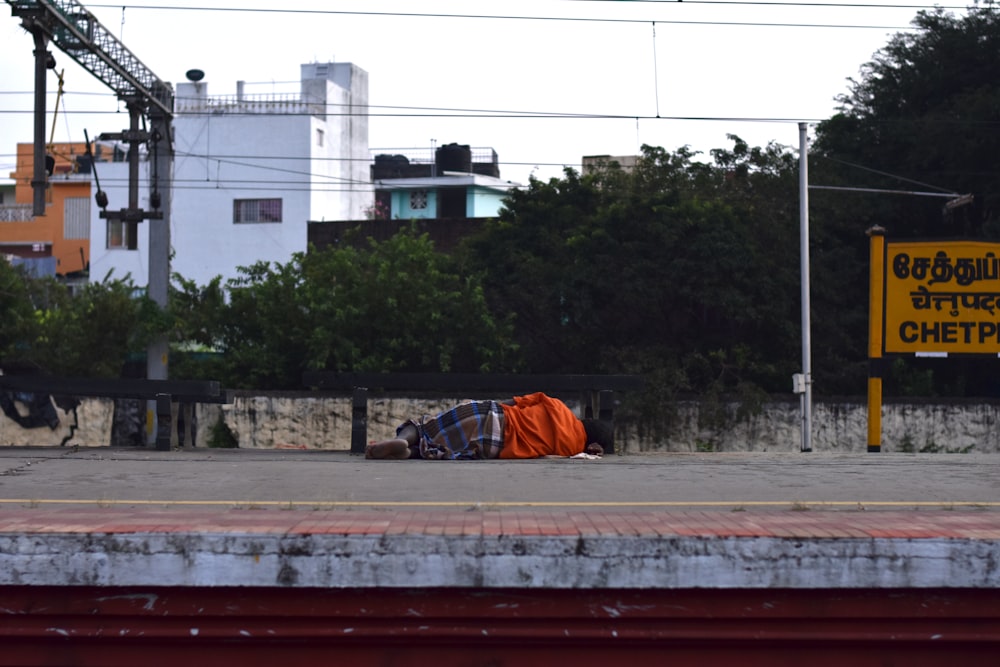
87,334
676,268
925,116
18,324
398,305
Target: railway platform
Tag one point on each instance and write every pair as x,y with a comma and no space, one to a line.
113,557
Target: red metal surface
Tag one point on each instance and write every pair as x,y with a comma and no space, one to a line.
249,627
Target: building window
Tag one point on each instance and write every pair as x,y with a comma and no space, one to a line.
418,200
256,210
319,137
76,218
116,234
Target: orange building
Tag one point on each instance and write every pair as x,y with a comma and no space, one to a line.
64,231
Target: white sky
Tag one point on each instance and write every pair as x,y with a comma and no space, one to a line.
707,60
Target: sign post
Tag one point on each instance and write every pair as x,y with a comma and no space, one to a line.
928,299
876,365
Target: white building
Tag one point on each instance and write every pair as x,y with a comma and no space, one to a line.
250,171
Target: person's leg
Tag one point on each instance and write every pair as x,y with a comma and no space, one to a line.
395,448
398,448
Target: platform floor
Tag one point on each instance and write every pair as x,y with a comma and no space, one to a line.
212,479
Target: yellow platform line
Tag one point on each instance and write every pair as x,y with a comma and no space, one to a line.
858,504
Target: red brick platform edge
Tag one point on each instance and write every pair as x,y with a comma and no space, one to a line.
595,521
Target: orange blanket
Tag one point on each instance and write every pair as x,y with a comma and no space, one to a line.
538,425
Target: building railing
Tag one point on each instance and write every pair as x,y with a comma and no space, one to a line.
264,103
16,213
422,155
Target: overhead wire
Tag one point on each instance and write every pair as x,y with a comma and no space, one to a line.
431,112
513,17
769,3
500,17
286,10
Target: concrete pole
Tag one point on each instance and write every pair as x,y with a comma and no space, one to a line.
161,163
806,396
159,230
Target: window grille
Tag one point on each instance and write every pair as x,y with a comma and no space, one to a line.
418,200
76,218
256,210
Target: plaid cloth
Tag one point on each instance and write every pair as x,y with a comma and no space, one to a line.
471,430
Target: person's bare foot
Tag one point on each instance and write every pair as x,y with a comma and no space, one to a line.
397,449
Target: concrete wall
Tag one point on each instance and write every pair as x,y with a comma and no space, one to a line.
484,202
837,426
295,420
89,424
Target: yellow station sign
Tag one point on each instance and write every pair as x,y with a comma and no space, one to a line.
942,297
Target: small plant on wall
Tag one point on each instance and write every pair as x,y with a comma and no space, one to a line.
222,437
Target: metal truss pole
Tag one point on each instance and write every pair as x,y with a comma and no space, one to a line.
69,26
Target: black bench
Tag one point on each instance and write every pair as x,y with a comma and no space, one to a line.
164,392
596,391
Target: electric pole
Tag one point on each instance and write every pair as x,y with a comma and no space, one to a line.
68,25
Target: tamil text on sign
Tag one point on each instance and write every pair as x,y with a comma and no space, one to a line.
942,297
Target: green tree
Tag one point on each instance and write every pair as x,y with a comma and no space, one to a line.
18,325
93,332
678,269
398,305
198,315
87,334
921,117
